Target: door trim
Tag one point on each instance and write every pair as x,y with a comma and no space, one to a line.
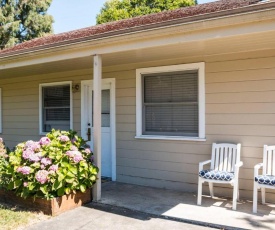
110,81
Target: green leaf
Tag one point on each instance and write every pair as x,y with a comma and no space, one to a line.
93,178
82,188
69,180
67,191
65,164
44,189
31,186
57,184
71,175
11,185
17,183
73,169
61,177
61,191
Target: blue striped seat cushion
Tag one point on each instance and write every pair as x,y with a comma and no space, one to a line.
216,175
265,179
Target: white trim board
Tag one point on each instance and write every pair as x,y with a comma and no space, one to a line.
111,82
200,66
40,103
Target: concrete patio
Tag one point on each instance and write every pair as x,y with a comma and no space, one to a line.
182,206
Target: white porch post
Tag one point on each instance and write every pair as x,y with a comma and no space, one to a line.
97,123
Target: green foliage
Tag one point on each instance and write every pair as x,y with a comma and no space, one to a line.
114,10
58,164
23,20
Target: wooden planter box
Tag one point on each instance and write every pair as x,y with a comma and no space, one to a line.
51,207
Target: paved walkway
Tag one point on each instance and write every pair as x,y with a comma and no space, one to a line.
126,206
105,217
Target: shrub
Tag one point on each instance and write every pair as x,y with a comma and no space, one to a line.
58,164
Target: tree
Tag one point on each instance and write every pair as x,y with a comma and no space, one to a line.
23,20
114,10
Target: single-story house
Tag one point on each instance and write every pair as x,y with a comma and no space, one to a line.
163,87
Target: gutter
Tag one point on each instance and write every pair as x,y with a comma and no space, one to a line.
261,6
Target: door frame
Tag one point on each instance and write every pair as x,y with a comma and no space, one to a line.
110,81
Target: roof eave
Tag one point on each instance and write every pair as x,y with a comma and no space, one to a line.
267,6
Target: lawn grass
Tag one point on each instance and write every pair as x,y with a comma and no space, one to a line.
12,218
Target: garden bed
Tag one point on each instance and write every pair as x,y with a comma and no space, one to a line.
51,207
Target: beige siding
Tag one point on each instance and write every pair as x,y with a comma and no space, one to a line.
240,107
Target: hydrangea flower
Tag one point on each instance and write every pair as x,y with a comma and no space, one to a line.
70,153
29,144
73,140
77,158
53,168
46,161
42,176
27,153
24,170
87,150
92,159
74,148
36,146
25,184
44,141
34,158
64,138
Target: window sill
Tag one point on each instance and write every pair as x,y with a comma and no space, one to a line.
175,138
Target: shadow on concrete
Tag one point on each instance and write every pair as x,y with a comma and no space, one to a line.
181,206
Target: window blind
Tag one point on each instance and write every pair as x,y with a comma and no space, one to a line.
170,104
56,107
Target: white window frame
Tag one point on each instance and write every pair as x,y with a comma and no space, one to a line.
200,66
0,110
41,103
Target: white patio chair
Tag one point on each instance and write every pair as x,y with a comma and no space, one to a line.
224,169
267,178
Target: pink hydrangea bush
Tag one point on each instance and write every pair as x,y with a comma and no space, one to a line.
57,164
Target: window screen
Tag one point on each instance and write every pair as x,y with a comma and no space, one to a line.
170,104
56,107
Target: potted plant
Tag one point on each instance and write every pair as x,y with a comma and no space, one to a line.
56,169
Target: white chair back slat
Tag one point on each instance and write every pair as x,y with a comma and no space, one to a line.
265,159
225,159
221,158
269,157
213,156
229,163
217,159
234,158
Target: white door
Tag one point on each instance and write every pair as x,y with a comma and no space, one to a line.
107,114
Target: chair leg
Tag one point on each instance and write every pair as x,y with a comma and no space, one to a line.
199,191
235,194
238,196
211,189
263,195
255,197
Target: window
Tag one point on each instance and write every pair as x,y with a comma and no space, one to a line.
170,102
55,106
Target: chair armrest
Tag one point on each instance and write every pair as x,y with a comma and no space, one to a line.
239,164
256,169
237,167
201,164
